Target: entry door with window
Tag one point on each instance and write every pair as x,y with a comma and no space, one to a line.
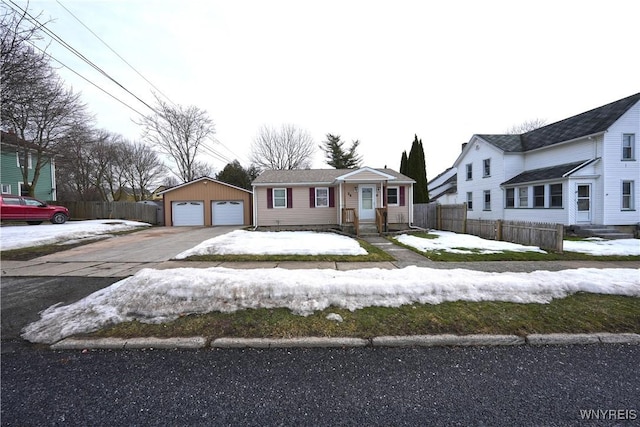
583,213
367,202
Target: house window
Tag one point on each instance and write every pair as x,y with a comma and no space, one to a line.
555,196
628,146
322,197
538,196
510,197
486,168
523,197
487,200
469,201
392,196
20,160
6,188
469,172
627,195
279,197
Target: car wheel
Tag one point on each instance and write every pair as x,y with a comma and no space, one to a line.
34,222
59,218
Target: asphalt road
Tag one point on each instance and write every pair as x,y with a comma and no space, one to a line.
502,386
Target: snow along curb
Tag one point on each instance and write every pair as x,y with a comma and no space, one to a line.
316,342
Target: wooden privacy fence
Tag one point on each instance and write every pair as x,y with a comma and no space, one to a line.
454,218
425,215
113,210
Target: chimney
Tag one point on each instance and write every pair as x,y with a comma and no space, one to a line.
464,144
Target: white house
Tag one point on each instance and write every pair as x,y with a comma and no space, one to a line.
579,171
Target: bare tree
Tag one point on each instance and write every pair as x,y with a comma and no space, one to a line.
282,149
35,102
526,126
142,169
179,132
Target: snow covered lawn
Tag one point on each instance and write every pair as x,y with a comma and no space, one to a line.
23,236
155,296
241,242
467,244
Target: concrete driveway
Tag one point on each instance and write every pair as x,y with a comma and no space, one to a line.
118,256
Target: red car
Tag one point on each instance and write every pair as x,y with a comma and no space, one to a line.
33,211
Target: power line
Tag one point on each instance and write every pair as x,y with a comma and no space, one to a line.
57,38
116,53
85,79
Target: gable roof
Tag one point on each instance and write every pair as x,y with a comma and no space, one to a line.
552,172
319,176
591,122
204,178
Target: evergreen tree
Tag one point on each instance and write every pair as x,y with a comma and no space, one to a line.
234,174
403,163
337,157
417,170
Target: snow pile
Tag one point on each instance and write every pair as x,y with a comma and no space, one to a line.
462,244
598,246
22,236
155,296
241,242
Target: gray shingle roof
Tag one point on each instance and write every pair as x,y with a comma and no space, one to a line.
542,174
315,176
588,123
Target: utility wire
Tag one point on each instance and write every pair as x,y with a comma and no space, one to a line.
57,38
116,53
85,79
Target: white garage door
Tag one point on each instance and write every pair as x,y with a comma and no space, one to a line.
187,213
227,212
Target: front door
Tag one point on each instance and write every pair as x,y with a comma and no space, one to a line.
367,202
583,214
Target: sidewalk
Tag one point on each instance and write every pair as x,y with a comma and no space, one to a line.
50,266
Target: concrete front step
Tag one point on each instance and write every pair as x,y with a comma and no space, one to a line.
602,231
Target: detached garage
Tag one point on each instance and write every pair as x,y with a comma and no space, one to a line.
207,202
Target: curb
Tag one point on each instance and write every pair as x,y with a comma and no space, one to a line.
444,340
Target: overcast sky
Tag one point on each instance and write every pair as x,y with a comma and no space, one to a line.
375,71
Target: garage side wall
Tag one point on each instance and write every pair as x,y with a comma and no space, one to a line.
207,192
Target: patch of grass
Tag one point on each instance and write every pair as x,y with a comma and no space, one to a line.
578,313
374,255
475,255
27,254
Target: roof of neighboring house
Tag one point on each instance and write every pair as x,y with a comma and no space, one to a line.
588,123
552,172
316,176
204,178
11,139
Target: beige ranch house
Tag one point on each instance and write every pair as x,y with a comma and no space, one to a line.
350,199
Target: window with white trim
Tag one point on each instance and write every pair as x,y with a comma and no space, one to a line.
486,168
628,146
627,196
469,201
487,200
393,196
469,167
279,197
538,196
510,195
6,188
322,197
20,160
555,195
523,197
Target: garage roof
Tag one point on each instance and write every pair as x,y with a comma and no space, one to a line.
204,178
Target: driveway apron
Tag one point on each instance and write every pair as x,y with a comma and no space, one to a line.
118,256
